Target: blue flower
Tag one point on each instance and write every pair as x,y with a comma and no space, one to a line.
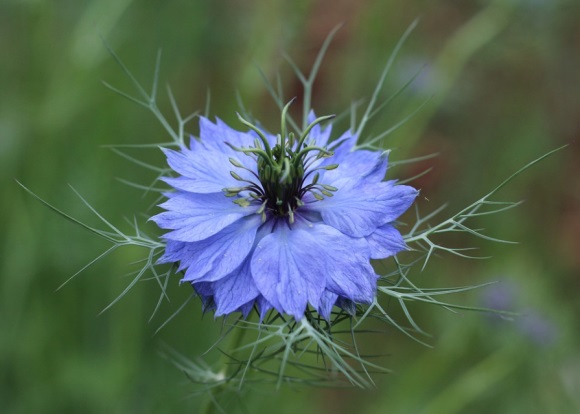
284,222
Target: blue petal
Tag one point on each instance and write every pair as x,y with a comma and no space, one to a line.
263,306
288,269
246,308
216,135
195,217
235,290
215,257
204,289
205,293
292,267
319,135
343,144
386,241
370,166
345,261
346,305
172,253
340,147
359,208
327,301
204,171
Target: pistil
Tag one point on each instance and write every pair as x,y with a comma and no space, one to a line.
282,171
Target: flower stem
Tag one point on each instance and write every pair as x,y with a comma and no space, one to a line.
210,405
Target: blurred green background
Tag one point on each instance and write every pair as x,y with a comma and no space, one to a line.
505,87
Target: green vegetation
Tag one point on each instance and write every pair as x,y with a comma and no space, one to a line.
500,83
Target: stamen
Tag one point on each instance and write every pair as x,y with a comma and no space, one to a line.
242,202
262,208
236,163
236,176
315,178
291,214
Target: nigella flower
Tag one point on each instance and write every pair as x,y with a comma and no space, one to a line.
284,222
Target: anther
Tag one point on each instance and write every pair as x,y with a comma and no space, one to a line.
236,176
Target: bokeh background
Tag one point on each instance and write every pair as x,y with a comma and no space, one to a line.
504,82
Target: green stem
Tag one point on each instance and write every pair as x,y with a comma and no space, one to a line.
209,405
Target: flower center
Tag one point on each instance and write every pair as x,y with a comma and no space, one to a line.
281,186
286,172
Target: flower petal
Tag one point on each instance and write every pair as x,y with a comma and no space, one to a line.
235,290
216,135
345,260
263,306
340,147
195,217
346,305
357,209
291,267
319,135
203,171
246,308
327,301
215,257
358,165
386,241
205,293
288,268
